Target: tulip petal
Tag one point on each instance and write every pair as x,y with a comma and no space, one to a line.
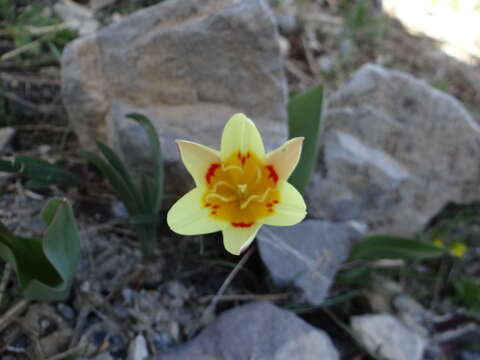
241,134
236,239
291,209
188,217
197,159
285,158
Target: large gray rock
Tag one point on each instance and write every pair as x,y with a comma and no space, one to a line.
307,255
188,65
387,338
395,152
260,331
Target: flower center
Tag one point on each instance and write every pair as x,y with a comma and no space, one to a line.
241,190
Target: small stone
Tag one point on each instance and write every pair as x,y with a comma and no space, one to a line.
6,136
259,330
102,356
98,337
121,311
56,342
66,312
287,23
20,344
119,210
117,346
76,16
387,337
128,295
138,349
162,340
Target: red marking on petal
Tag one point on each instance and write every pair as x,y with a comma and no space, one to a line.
275,201
211,172
269,205
248,155
215,206
213,212
243,160
242,224
270,210
208,204
272,173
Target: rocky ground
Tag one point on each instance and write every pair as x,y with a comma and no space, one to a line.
398,155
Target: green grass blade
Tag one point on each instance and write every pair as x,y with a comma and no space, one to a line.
305,112
39,171
115,180
118,165
146,192
157,157
392,247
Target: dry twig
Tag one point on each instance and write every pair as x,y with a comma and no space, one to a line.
209,311
12,313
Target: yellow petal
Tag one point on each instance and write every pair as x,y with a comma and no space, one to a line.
241,134
197,159
236,239
290,210
188,217
285,158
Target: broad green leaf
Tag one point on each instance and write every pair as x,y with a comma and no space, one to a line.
45,268
392,247
157,158
38,171
305,112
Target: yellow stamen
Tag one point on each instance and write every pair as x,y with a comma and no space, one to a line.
246,196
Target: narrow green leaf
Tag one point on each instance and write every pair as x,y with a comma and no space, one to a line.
147,197
157,158
392,247
356,275
305,112
45,268
144,219
38,171
118,165
115,180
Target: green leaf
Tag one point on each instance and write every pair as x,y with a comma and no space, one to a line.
116,180
45,268
121,169
144,219
157,158
467,292
305,113
357,275
38,171
392,247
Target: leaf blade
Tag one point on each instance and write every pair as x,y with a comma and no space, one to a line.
392,247
305,114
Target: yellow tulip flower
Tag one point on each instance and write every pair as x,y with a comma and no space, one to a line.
239,188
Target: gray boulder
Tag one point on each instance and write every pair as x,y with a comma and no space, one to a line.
258,330
307,255
395,152
188,65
